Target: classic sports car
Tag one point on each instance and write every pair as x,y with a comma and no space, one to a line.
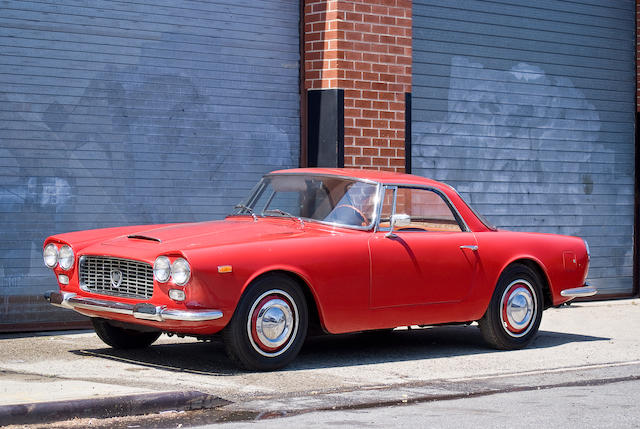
335,249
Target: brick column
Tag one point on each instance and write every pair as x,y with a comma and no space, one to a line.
363,48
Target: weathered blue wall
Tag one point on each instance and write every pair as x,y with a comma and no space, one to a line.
527,108
115,113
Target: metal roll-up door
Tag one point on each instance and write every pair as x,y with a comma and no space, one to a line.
119,113
527,108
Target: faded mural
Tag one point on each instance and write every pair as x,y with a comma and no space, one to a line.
529,151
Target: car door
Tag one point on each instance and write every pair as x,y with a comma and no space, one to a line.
428,257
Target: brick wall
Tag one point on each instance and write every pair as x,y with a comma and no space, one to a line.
364,48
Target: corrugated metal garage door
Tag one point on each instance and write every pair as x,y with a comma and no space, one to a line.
115,113
527,108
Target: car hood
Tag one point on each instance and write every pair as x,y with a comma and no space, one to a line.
187,236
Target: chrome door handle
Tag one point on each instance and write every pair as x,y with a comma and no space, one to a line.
470,247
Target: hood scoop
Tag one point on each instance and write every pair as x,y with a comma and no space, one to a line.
144,237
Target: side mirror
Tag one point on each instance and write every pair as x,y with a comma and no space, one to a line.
398,220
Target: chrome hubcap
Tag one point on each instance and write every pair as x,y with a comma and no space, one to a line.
273,323
518,308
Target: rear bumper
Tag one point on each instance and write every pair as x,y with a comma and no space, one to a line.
579,292
139,311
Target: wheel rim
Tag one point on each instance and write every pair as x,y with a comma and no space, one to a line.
273,323
518,308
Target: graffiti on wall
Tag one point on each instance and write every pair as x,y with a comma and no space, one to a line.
527,149
510,129
129,149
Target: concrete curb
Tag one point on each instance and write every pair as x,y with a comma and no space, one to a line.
115,406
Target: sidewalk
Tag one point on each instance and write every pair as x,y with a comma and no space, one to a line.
60,375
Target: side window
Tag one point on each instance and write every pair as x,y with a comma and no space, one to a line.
426,209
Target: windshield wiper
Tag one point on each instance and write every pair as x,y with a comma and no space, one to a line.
283,213
248,209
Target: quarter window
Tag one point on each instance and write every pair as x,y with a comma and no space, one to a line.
426,209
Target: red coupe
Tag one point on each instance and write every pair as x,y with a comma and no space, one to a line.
340,250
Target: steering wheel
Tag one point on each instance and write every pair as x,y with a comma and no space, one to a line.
363,218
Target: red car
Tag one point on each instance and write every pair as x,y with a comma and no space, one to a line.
341,250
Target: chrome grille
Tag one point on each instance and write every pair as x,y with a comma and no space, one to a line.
99,274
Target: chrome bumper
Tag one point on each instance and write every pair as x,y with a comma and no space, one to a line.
579,292
139,311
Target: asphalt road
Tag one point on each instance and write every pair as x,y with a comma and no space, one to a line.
583,343
609,405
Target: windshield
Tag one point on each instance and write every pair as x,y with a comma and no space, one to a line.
329,199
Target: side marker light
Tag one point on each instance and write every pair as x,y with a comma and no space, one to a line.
224,269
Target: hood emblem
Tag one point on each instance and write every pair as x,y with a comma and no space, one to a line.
116,278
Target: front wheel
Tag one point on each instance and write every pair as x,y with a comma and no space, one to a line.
515,311
269,325
122,338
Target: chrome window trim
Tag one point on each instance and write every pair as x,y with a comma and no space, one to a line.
394,188
456,214
337,176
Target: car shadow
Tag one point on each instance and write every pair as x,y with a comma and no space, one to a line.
15,335
403,345
328,351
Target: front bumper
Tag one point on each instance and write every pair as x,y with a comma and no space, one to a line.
139,311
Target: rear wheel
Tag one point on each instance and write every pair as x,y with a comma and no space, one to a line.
515,311
123,338
269,325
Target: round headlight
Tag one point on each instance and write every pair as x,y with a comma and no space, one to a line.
180,271
162,269
50,255
65,257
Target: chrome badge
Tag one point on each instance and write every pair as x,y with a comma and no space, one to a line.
116,278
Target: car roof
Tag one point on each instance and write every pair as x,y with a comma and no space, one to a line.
386,177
